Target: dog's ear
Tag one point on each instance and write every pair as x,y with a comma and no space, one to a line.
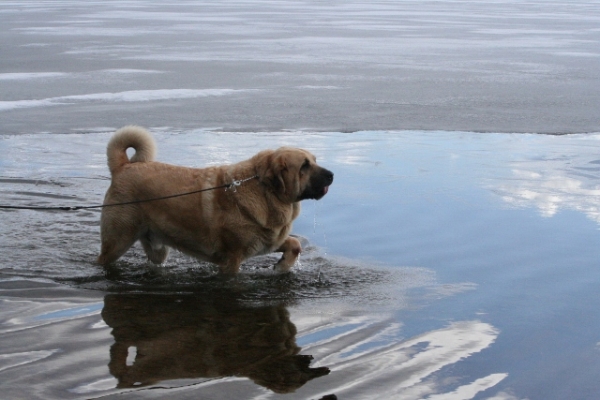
279,168
270,169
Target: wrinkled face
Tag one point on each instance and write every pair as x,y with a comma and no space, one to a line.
314,180
295,175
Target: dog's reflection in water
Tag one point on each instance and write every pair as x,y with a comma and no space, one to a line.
189,336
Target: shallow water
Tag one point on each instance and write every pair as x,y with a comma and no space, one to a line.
439,264
493,66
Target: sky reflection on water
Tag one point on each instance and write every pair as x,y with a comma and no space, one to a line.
490,242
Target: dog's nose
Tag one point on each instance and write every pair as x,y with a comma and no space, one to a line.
329,177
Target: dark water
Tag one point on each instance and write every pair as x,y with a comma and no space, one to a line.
444,264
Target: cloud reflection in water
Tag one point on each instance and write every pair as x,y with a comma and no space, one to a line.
554,176
404,369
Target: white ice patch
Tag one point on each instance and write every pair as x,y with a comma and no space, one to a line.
318,87
20,76
129,96
131,71
69,30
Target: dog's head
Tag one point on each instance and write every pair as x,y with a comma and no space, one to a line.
293,174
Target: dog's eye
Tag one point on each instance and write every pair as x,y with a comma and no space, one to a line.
306,165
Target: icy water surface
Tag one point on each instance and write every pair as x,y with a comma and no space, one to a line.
493,66
440,265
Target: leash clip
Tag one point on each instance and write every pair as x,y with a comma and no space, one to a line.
238,182
233,186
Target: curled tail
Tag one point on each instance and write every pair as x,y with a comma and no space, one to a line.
126,137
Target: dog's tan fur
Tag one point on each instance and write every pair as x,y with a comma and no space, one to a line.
221,226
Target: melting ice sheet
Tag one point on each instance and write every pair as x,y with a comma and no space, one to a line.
439,265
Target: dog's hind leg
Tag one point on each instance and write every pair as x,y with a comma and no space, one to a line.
113,248
156,251
118,235
291,249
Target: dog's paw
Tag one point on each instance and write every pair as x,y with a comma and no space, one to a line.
282,266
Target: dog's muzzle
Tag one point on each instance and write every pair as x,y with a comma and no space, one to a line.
318,186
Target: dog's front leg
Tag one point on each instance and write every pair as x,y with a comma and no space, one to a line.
231,266
291,249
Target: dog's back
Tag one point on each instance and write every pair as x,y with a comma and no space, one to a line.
126,137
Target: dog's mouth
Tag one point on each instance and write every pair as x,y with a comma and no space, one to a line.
319,186
314,193
326,179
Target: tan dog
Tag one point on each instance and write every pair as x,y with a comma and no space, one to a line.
222,226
